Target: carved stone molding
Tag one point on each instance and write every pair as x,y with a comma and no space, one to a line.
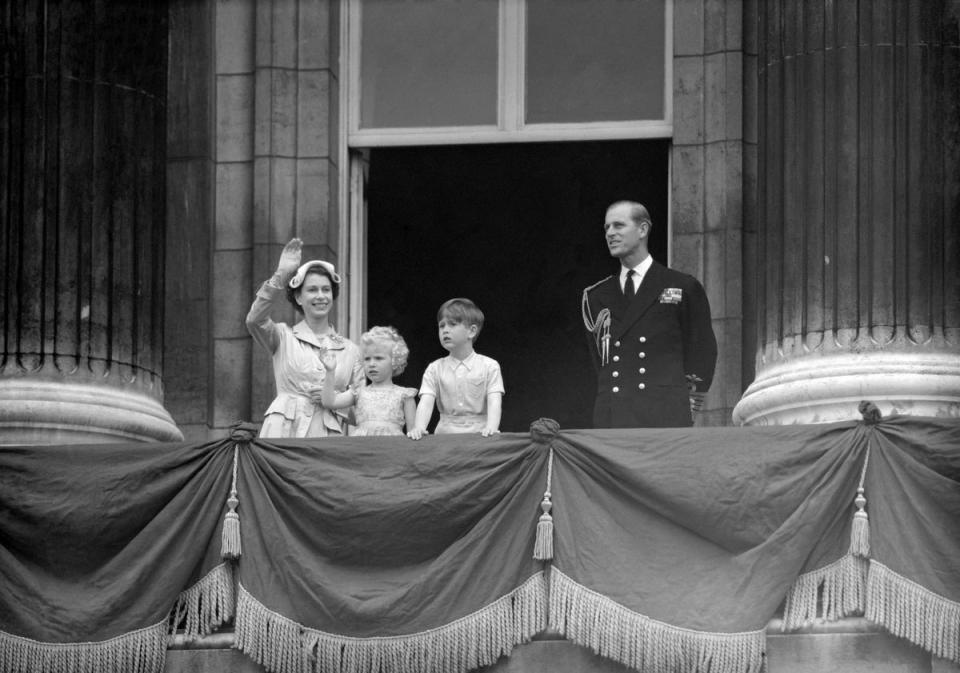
56,412
825,389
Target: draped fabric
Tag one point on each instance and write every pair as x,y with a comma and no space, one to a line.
367,547
667,550
98,543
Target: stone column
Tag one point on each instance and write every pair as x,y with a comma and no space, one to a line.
82,150
858,252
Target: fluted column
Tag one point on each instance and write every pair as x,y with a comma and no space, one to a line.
858,246
82,147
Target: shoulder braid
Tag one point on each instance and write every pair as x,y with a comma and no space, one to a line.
599,326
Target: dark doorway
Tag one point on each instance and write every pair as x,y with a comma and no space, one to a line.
517,229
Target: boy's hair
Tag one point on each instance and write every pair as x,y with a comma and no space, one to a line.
399,353
462,310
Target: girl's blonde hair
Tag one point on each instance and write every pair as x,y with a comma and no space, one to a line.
398,350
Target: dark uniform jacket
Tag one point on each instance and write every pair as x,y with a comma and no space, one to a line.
650,351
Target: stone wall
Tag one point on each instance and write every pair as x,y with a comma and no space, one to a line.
252,163
711,96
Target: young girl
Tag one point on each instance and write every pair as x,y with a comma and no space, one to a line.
382,408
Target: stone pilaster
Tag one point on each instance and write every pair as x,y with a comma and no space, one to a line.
295,131
231,255
82,150
253,89
858,247
707,177
190,210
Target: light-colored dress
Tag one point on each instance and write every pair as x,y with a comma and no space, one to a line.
297,368
379,410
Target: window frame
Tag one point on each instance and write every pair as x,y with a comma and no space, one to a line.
353,143
511,94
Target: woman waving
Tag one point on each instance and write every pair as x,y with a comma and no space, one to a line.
297,352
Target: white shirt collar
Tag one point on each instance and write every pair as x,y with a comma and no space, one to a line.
640,270
466,362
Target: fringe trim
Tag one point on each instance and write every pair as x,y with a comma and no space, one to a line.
908,610
142,651
206,605
644,644
829,593
281,645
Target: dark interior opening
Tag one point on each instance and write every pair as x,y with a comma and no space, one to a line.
518,229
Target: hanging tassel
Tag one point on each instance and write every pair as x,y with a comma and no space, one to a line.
543,547
230,541
860,530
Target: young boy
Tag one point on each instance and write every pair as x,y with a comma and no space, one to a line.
467,387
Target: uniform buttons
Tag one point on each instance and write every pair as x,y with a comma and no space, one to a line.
643,340
643,370
617,344
616,389
642,355
641,386
616,358
615,374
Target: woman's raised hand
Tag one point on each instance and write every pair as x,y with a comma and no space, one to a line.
290,257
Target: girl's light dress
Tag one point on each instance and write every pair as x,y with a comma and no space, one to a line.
379,411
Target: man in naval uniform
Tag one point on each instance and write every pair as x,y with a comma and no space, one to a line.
650,333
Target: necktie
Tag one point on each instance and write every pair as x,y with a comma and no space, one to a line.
629,289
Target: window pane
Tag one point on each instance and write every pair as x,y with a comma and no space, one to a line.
428,63
594,61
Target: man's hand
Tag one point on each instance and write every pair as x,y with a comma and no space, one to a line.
417,433
696,397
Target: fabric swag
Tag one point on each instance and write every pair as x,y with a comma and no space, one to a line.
666,550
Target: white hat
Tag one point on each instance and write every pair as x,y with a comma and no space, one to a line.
297,279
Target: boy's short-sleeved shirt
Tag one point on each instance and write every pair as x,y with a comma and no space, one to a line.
461,386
